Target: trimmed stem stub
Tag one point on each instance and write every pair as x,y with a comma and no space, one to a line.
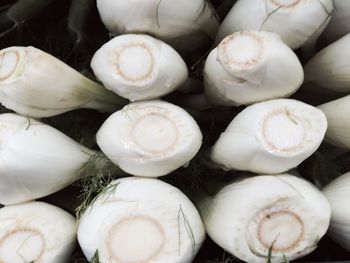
241,50
22,245
279,230
155,133
145,239
283,131
9,61
285,3
135,62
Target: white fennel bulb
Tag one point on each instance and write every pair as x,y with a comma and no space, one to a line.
340,22
141,220
337,192
36,232
150,138
337,112
330,67
36,159
139,67
270,137
165,19
281,214
296,21
251,66
36,84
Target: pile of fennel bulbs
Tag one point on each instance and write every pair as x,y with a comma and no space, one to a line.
167,131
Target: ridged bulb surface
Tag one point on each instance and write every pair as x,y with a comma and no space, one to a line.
36,159
338,195
296,21
330,67
166,19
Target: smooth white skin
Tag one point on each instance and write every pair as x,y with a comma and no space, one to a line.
340,22
168,226
338,194
36,84
35,159
139,67
150,138
330,67
296,21
337,113
36,232
282,208
270,137
165,19
251,66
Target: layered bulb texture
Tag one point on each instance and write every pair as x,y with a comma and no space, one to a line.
150,138
34,83
251,66
296,21
280,215
340,22
270,137
184,24
337,113
338,195
139,67
330,67
36,232
141,220
36,159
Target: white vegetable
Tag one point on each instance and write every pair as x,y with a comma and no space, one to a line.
338,194
330,67
172,21
281,213
270,137
141,220
296,21
251,66
36,159
139,67
337,113
36,84
150,138
340,22
36,232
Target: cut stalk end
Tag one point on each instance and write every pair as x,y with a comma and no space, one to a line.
285,3
278,231
240,51
288,137
10,61
135,63
30,244
146,238
155,133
